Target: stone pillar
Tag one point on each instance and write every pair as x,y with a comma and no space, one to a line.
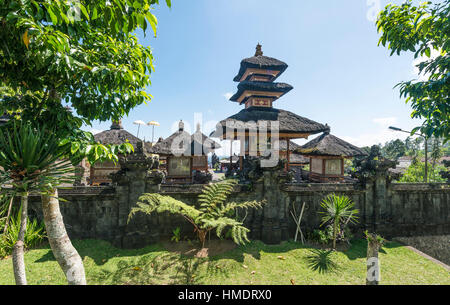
134,179
373,173
274,222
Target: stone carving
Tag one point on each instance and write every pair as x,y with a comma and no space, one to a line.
446,173
200,177
369,168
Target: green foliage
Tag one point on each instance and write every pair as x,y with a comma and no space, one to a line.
215,161
394,149
370,236
338,211
321,260
213,211
176,237
416,172
51,57
421,29
323,237
30,159
34,234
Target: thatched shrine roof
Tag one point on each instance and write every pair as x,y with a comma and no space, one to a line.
329,145
298,158
187,144
116,135
289,123
261,86
293,156
283,145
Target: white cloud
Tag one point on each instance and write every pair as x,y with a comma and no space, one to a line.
228,95
382,135
385,122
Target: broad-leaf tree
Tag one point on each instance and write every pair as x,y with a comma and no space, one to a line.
212,212
83,54
421,30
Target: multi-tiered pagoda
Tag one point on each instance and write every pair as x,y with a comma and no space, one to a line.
258,91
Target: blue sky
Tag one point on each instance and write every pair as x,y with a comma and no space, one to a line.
339,74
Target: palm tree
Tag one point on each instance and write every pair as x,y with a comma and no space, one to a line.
337,209
213,211
30,160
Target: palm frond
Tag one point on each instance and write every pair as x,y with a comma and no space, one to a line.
31,159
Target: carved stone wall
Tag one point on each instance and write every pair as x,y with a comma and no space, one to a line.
389,209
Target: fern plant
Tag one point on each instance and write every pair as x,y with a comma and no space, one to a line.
212,212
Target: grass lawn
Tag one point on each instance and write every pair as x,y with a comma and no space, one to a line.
255,263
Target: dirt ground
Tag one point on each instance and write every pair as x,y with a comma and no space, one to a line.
193,248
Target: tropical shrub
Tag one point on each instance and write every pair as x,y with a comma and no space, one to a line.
416,171
176,235
321,236
34,234
212,212
338,211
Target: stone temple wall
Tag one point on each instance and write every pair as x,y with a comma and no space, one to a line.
389,209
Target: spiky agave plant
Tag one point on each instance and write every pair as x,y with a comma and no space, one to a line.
337,210
30,160
212,212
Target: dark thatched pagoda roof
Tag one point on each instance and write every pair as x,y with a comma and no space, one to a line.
188,144
293,156
261,86
116,135
283,145
298,158
289,122
260,62
329,145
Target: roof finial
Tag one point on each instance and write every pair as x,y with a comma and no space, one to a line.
181,126
259,51
198,127
117,124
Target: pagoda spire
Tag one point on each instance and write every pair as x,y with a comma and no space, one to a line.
259,51
116,125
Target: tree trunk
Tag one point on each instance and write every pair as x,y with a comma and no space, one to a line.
8,215
334,234
373,264
18,250
63,250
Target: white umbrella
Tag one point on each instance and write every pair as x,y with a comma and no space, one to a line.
139,123
153,124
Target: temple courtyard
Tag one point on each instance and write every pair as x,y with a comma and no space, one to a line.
255,263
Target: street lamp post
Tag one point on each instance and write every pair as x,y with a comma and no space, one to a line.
426,149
